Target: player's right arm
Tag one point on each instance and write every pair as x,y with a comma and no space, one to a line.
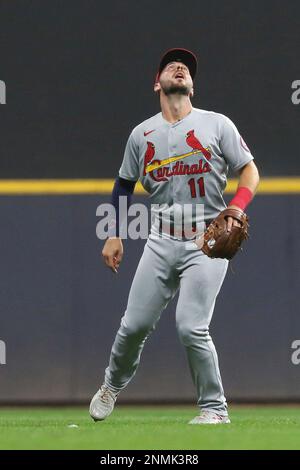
124,186
113,249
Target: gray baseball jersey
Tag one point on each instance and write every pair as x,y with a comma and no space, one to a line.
182,163
185,162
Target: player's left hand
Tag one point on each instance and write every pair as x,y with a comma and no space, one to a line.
231,222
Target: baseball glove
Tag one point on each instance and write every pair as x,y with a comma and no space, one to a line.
218,242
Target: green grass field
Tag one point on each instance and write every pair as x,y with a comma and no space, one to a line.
148,428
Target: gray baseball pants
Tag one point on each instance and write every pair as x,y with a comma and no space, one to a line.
166,266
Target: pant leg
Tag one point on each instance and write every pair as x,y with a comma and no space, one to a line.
200,281
153,287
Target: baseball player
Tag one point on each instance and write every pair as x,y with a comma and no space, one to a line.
181,156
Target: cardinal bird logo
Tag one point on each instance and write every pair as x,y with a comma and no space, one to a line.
195,143
149,154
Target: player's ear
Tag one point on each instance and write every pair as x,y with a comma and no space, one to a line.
192,93
157,87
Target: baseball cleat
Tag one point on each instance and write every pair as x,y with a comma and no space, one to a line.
210,417
102,403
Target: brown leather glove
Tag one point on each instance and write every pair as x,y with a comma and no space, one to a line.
218,242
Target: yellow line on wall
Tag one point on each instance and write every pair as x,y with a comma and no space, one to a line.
284,185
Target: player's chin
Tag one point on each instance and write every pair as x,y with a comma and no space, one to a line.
177,88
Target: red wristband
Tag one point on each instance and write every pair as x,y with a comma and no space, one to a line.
242,198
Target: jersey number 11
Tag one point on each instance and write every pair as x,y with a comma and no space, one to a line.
193,188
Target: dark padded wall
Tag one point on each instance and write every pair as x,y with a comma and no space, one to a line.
60,307
79,76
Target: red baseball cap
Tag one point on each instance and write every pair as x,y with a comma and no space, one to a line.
179,54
